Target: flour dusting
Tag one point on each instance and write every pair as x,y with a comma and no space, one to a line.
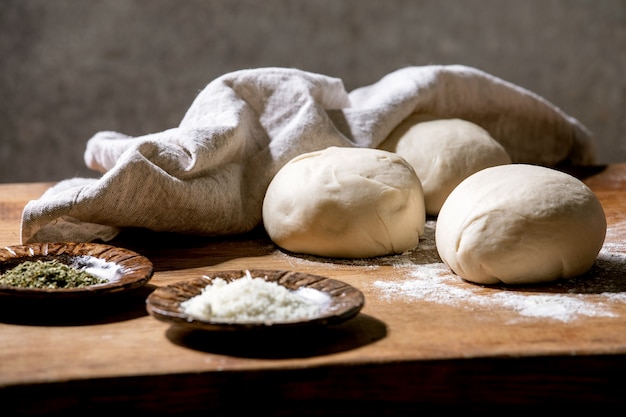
435,283
421,275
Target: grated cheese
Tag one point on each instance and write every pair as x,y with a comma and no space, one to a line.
253,299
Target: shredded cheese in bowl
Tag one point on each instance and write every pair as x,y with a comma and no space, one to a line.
253,299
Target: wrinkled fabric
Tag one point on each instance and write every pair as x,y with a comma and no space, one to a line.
208,176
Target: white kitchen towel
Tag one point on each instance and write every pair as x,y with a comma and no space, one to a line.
208,176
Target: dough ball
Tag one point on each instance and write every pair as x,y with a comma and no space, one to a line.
520,224
345,203
443,153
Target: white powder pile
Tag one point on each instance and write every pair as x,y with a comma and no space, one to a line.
253,299
435,283
97,267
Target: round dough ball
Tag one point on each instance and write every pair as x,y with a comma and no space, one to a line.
443,153
345,203
520,224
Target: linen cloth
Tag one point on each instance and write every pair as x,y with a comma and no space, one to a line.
208,175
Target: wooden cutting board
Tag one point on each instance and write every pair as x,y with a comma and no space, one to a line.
416,311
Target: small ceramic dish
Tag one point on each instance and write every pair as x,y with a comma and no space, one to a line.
345,301
123,269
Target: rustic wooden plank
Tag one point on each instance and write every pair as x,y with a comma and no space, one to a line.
445,327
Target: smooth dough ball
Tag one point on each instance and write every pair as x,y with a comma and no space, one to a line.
345,203
443,153
520,224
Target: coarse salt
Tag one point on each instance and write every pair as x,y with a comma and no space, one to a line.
98,267
253,299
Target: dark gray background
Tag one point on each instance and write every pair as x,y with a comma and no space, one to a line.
70,68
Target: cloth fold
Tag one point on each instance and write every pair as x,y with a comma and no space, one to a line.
208,176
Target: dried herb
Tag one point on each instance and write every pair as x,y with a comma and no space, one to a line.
47,274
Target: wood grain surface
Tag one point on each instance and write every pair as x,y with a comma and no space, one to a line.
423,337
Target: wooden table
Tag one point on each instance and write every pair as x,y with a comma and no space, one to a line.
423,338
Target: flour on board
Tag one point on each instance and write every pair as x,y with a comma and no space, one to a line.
588,296
420,275
435,283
